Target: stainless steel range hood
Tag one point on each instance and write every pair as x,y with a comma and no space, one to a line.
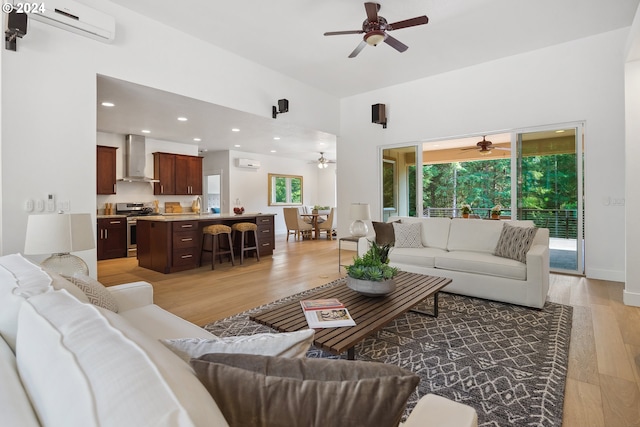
135,160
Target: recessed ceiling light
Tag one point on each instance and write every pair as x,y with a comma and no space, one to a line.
560,131
237,145
273,151
235,130
145,131
197,139
182,119
108,104
276,138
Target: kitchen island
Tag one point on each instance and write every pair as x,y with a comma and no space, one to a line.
171,243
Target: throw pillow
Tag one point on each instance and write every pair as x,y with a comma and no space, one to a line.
95,291
384,232
408,235
59,282
514,242
265,391
286,344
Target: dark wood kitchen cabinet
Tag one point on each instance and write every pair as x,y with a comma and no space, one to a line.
178,174
164,170
106,170
112,238
188,175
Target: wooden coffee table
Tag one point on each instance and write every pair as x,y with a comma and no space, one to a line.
370,313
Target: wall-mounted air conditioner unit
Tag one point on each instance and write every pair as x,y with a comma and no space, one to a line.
77,18
248,163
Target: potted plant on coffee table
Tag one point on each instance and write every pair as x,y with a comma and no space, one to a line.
371,274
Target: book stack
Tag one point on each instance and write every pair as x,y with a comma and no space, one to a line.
326,313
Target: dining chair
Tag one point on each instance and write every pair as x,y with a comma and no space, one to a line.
330,225
295,224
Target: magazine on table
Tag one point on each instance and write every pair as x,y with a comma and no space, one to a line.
326,314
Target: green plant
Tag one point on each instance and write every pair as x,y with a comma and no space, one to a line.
465,208
373,265
496,210
321,208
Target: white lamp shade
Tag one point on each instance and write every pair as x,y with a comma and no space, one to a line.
59,233
359,211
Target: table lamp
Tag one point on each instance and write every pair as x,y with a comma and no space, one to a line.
59,234
358,213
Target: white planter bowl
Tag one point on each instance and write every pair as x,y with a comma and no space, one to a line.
370,288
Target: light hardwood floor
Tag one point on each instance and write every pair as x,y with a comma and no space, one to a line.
603,382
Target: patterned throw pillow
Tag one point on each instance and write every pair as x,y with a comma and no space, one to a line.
95,291
408,235
514,242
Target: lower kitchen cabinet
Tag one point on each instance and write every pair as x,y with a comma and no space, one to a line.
112,238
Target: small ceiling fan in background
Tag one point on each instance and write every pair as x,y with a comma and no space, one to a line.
323,162
485,146
375,29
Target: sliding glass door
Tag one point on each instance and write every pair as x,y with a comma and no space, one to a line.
550,191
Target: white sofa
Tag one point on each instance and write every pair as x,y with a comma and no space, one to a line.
463,250
66,362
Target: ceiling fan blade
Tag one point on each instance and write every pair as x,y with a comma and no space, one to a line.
395,43
357,50
420,20
372,11
338,33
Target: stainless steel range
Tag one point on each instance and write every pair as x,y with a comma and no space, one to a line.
132,211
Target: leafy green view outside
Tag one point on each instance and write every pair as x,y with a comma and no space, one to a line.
548,184
282,184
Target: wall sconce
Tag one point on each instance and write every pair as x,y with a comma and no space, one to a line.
283,107
16,27
378,115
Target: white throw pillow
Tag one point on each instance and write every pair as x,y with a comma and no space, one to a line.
286,344
408,235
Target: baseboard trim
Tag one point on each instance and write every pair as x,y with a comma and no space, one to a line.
631,298
611,275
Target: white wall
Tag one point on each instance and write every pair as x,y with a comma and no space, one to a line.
577,81
49,133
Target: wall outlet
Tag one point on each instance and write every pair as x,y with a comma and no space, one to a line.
28,205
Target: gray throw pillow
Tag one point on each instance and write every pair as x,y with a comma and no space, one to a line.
384,232
514,242
95,291
253,390
408,235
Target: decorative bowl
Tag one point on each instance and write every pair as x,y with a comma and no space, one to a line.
370,288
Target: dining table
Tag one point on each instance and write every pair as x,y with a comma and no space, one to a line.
315,222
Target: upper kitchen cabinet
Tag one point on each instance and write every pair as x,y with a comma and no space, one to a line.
106,170
178,174
164,170
188,175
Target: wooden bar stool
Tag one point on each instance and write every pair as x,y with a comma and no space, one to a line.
215,231
242,228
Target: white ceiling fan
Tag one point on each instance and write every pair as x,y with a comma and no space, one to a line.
323,162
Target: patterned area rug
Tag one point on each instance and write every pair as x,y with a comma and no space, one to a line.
507,362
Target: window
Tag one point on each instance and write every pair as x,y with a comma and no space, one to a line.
285,189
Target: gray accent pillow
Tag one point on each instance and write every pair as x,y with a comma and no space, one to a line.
514,242
253,390
408,235
384,232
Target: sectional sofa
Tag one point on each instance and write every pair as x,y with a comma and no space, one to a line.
72,355
465,251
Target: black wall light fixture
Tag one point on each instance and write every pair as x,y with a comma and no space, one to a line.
283,107
378,115
16,28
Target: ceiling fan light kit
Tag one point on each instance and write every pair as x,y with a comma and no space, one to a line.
375,29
